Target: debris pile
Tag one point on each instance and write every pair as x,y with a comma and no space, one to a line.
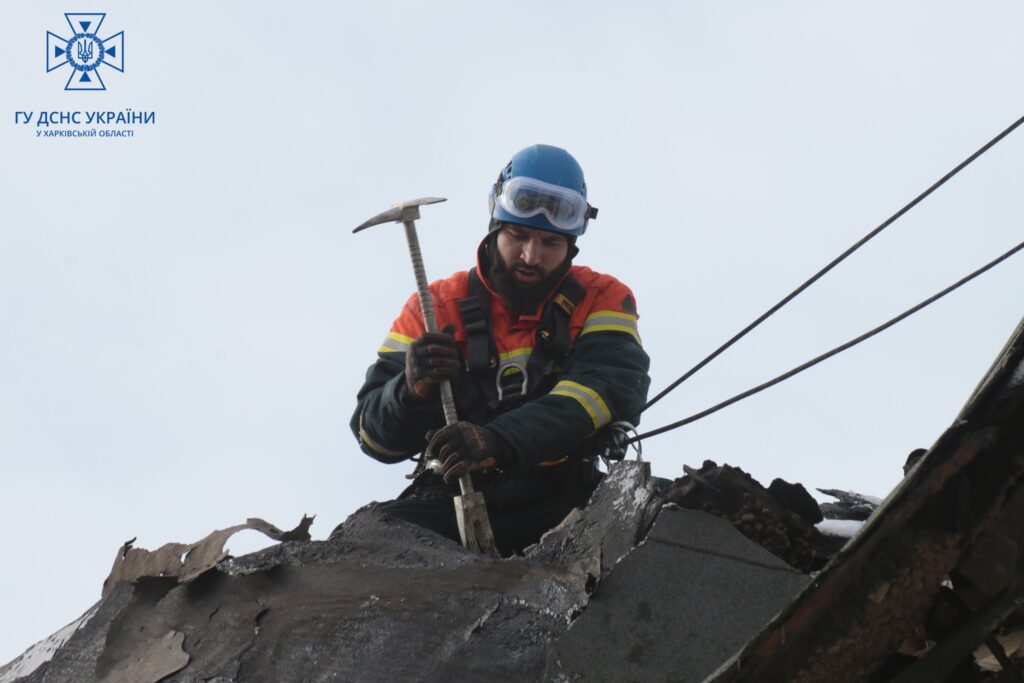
780,518
385,600
849,505
709,558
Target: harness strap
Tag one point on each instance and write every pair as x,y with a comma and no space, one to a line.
553,339
475,309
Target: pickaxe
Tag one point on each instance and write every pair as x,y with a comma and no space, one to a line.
470,510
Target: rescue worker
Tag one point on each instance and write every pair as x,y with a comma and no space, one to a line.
542,354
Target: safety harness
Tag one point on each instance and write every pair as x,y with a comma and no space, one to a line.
508,385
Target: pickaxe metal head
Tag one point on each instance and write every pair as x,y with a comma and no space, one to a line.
401,212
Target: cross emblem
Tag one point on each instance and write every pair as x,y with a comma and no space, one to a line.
84,51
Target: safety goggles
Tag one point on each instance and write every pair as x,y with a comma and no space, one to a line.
524,197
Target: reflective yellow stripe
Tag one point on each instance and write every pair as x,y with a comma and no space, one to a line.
515,354
589,399
613,314
373,445
611,321
395,343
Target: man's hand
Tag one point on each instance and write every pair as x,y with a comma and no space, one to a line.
431,359
464,447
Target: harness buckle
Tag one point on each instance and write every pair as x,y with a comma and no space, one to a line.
509,370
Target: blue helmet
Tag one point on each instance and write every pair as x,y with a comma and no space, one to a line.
542,187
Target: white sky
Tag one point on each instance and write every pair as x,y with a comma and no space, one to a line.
186,316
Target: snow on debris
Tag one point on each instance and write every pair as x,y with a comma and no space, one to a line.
844,528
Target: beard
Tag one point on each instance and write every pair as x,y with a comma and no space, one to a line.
522,297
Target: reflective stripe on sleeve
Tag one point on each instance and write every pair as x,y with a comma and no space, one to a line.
611,321
591,401
395,343
373,445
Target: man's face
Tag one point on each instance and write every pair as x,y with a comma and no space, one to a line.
528,264
529,254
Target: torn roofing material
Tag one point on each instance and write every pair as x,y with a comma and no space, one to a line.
873,594
378,600
186,561
677,606
385,600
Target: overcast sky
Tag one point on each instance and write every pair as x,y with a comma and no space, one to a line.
185,316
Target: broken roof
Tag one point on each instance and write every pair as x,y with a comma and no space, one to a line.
634,586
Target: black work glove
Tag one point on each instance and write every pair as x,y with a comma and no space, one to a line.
430,359
465,447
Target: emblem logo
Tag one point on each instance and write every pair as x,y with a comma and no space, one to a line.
84,51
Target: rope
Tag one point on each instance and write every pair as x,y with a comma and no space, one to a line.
839,259
839,349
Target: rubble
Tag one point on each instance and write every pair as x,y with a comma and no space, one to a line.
784,529
851,505
385,600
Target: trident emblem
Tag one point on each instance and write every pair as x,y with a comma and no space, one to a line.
84,51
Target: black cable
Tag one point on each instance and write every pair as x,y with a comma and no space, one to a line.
839,349
814,278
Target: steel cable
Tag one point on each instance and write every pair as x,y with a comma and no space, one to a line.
839,259
839,349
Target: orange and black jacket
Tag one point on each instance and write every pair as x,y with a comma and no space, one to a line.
603,378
